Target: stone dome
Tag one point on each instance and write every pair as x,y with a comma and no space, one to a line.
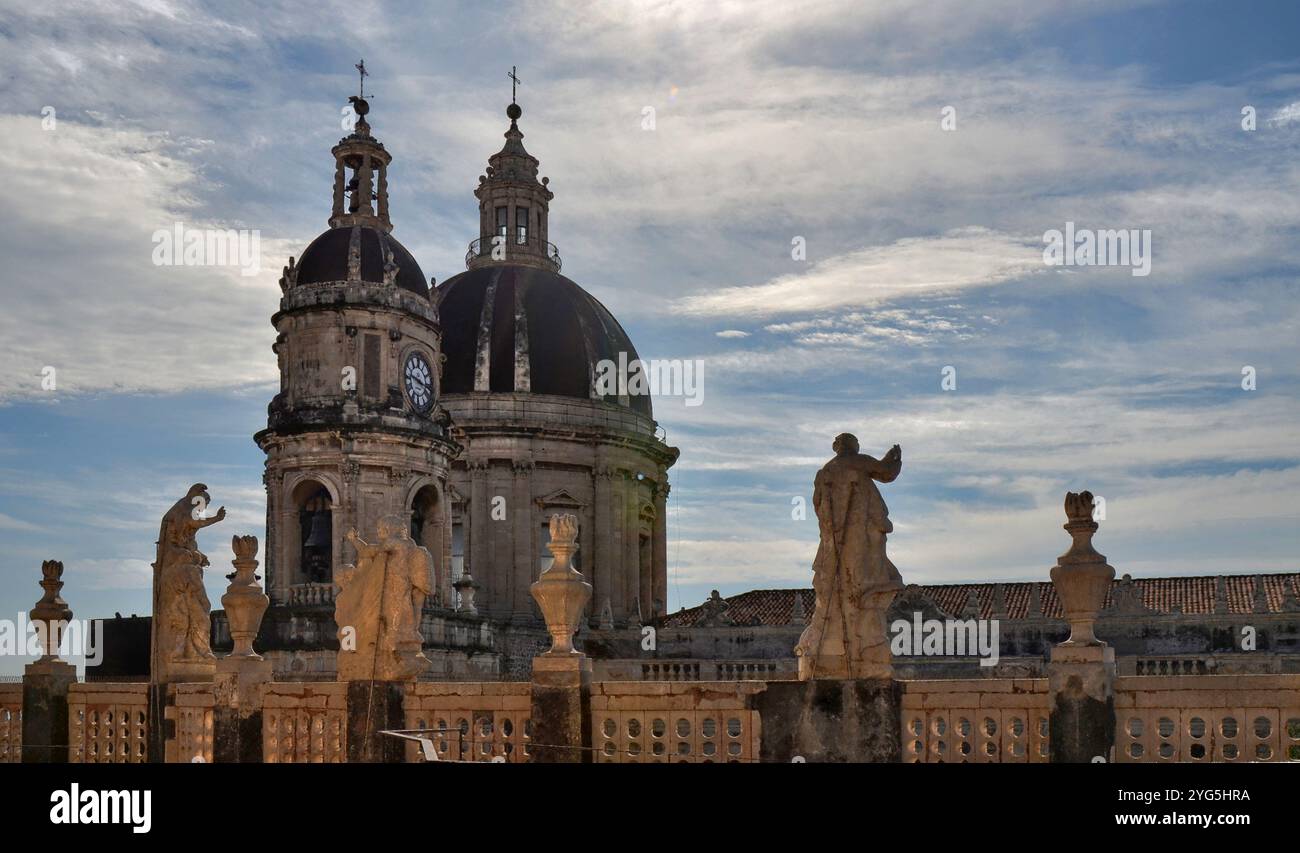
534,331
330,255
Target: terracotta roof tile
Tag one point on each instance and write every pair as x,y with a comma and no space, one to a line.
1192,595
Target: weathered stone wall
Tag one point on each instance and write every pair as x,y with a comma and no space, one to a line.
542,454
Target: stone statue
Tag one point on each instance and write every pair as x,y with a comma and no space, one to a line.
182,625
379,604
853,580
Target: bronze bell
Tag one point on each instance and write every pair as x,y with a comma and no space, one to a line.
319,536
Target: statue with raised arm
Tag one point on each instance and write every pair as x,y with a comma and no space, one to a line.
180,646
853,579
379,604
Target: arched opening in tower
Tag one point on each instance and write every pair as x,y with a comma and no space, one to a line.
427,530
315,533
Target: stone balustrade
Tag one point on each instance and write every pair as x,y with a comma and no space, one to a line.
305,723
636,669
1171,666
191,707
108,723
667,722
976,721
307,594
472,721
1207,718
1196,718
11,723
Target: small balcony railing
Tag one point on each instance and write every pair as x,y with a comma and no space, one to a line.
311,593
482,248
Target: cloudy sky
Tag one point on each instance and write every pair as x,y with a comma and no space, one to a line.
776,125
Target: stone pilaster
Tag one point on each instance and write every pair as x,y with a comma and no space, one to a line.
832,720
659,572
603,570
45,711
372,707
1081,684
631,573
521,521
561,710
477,546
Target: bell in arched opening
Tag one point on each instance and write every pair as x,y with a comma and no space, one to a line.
318,538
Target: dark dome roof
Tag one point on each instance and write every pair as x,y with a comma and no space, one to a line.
565,332
326,259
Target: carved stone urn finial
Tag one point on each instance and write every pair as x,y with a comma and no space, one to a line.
560,591
465,587
51,613
244,600
1081,575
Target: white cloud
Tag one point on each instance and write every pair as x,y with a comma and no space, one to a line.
122,573
8,522
960,259
102,314
1288,114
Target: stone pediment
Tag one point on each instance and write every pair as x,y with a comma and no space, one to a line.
1126,599
559,498
914,600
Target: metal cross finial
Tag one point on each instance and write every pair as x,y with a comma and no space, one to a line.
514,81
361,68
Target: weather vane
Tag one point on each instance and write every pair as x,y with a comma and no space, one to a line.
361,69
514,81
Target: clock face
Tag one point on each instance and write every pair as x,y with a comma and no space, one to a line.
418,379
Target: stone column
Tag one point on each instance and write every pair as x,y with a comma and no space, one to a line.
46,680
340,181
561,689
364,193
243,674
1081,670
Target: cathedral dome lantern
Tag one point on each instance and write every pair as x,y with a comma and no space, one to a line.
360,175
359,246
513,208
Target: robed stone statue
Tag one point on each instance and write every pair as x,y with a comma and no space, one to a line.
181,632
379,604
853,580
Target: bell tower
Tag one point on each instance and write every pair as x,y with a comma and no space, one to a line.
357,430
